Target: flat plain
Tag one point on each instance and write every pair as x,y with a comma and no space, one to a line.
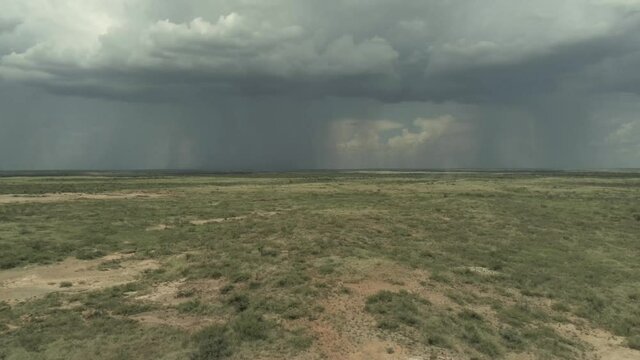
321,265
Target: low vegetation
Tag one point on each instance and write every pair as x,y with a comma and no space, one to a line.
467,266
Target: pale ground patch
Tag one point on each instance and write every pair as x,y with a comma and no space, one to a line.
169,295
159,227
482,270
217,220
165,294
352,211
36,281
232,218
604,345
57,197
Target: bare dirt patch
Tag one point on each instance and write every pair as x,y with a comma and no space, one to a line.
369,278
179,291
70,275
232,218
604,345
378,349
351,211
57,197
482,270
346,331
166,294
217,220
171,294
159,227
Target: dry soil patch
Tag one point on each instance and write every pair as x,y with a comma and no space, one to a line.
171,294
179,291
604,345
159,227
57,197
232,218
36,281
346,331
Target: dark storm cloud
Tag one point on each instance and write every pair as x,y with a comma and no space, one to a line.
401,53
255,79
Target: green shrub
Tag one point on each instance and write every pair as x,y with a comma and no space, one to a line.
240,302
185,293
394,308
8,261
300,341
512,338
194,306
89,253
479,339
212,344
227,288
634,342
291,279
249,326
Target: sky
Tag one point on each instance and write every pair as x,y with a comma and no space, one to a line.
307,84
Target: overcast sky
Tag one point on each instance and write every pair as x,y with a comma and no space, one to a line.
304,84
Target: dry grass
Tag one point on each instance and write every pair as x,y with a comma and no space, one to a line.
323,265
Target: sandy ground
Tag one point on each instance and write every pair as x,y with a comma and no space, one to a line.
168,295
35,281
160,227
605,346
233,218
15,198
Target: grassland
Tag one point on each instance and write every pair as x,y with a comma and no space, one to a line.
321,266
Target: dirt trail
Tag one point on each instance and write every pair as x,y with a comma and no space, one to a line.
42,198
36,281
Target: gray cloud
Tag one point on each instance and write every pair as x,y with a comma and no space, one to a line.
8,25
290,84
410,55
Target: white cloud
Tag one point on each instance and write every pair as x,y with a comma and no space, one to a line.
626,136
428,129
232,31
425,142
380,135
358,135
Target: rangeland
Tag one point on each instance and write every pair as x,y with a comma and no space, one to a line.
351,265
